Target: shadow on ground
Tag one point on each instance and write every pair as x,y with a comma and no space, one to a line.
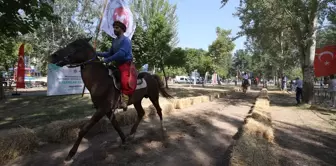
200,138
299,143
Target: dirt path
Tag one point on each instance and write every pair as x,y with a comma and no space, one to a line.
305,137
198,135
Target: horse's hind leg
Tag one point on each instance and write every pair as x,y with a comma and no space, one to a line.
141,113
156,104
116,126
94,119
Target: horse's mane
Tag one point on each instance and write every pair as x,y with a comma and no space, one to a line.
83,43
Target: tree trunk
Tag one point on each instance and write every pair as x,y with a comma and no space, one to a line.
309,55
164,74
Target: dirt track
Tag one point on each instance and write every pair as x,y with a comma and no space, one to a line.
198,135
304,137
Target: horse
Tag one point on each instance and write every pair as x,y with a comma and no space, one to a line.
104,88
245,85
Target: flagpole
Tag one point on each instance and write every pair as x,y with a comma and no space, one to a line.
97,33
99,24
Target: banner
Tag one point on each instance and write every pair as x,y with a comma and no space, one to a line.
64,81
325,61
20,76
118,10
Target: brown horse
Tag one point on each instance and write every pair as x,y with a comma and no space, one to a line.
104,89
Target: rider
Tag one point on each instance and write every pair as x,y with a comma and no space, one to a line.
121,53
245,78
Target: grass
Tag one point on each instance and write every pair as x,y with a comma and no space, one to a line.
34,111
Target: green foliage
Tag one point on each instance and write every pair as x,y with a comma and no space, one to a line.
220,52
177,58
52,36
174,71
24,16
140,47
242,60
283,34
326,36
148,9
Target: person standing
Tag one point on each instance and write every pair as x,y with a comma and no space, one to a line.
299,86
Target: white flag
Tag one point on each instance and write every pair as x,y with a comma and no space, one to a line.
118,10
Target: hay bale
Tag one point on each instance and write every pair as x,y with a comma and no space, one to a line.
253,127
62,131
263,117
196,100
16,142
205,99
262,103
167,108
263,94
65,131
183,103
251,150
129,117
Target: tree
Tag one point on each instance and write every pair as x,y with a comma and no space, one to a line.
242,60
294,22
52,36
24,16
220,52
18,18
140,47
177,58
159,35
147,9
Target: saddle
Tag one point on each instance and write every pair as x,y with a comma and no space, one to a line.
114,73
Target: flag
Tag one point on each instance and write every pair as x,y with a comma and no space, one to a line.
325,61
118,10
20,76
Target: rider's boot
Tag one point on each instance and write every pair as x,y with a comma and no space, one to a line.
124,101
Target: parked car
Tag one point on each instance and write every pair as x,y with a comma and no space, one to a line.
181,79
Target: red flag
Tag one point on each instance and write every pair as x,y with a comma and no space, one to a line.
20,69
325,61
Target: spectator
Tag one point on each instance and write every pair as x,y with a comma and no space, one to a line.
299,86
332,89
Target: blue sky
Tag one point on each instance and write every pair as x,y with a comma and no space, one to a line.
198,20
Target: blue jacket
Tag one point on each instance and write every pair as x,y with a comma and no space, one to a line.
121,51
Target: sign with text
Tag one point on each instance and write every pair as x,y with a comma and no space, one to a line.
64,81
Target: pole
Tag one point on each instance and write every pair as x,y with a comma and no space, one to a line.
97,33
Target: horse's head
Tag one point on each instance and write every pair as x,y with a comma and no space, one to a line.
77,52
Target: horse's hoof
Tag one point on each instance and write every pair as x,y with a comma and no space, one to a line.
68,160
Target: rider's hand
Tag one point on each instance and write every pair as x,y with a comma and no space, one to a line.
106,60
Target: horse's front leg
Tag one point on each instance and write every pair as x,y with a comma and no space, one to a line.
94,119
116,126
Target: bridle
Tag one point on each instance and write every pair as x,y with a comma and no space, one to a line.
67,59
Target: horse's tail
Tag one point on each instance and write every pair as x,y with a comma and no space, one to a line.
163,92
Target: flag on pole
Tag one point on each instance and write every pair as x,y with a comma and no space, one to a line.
325,61
20,76
118,10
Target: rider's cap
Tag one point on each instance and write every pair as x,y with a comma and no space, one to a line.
120,24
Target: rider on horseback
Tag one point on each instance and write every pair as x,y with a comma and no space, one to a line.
121,53
245,79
